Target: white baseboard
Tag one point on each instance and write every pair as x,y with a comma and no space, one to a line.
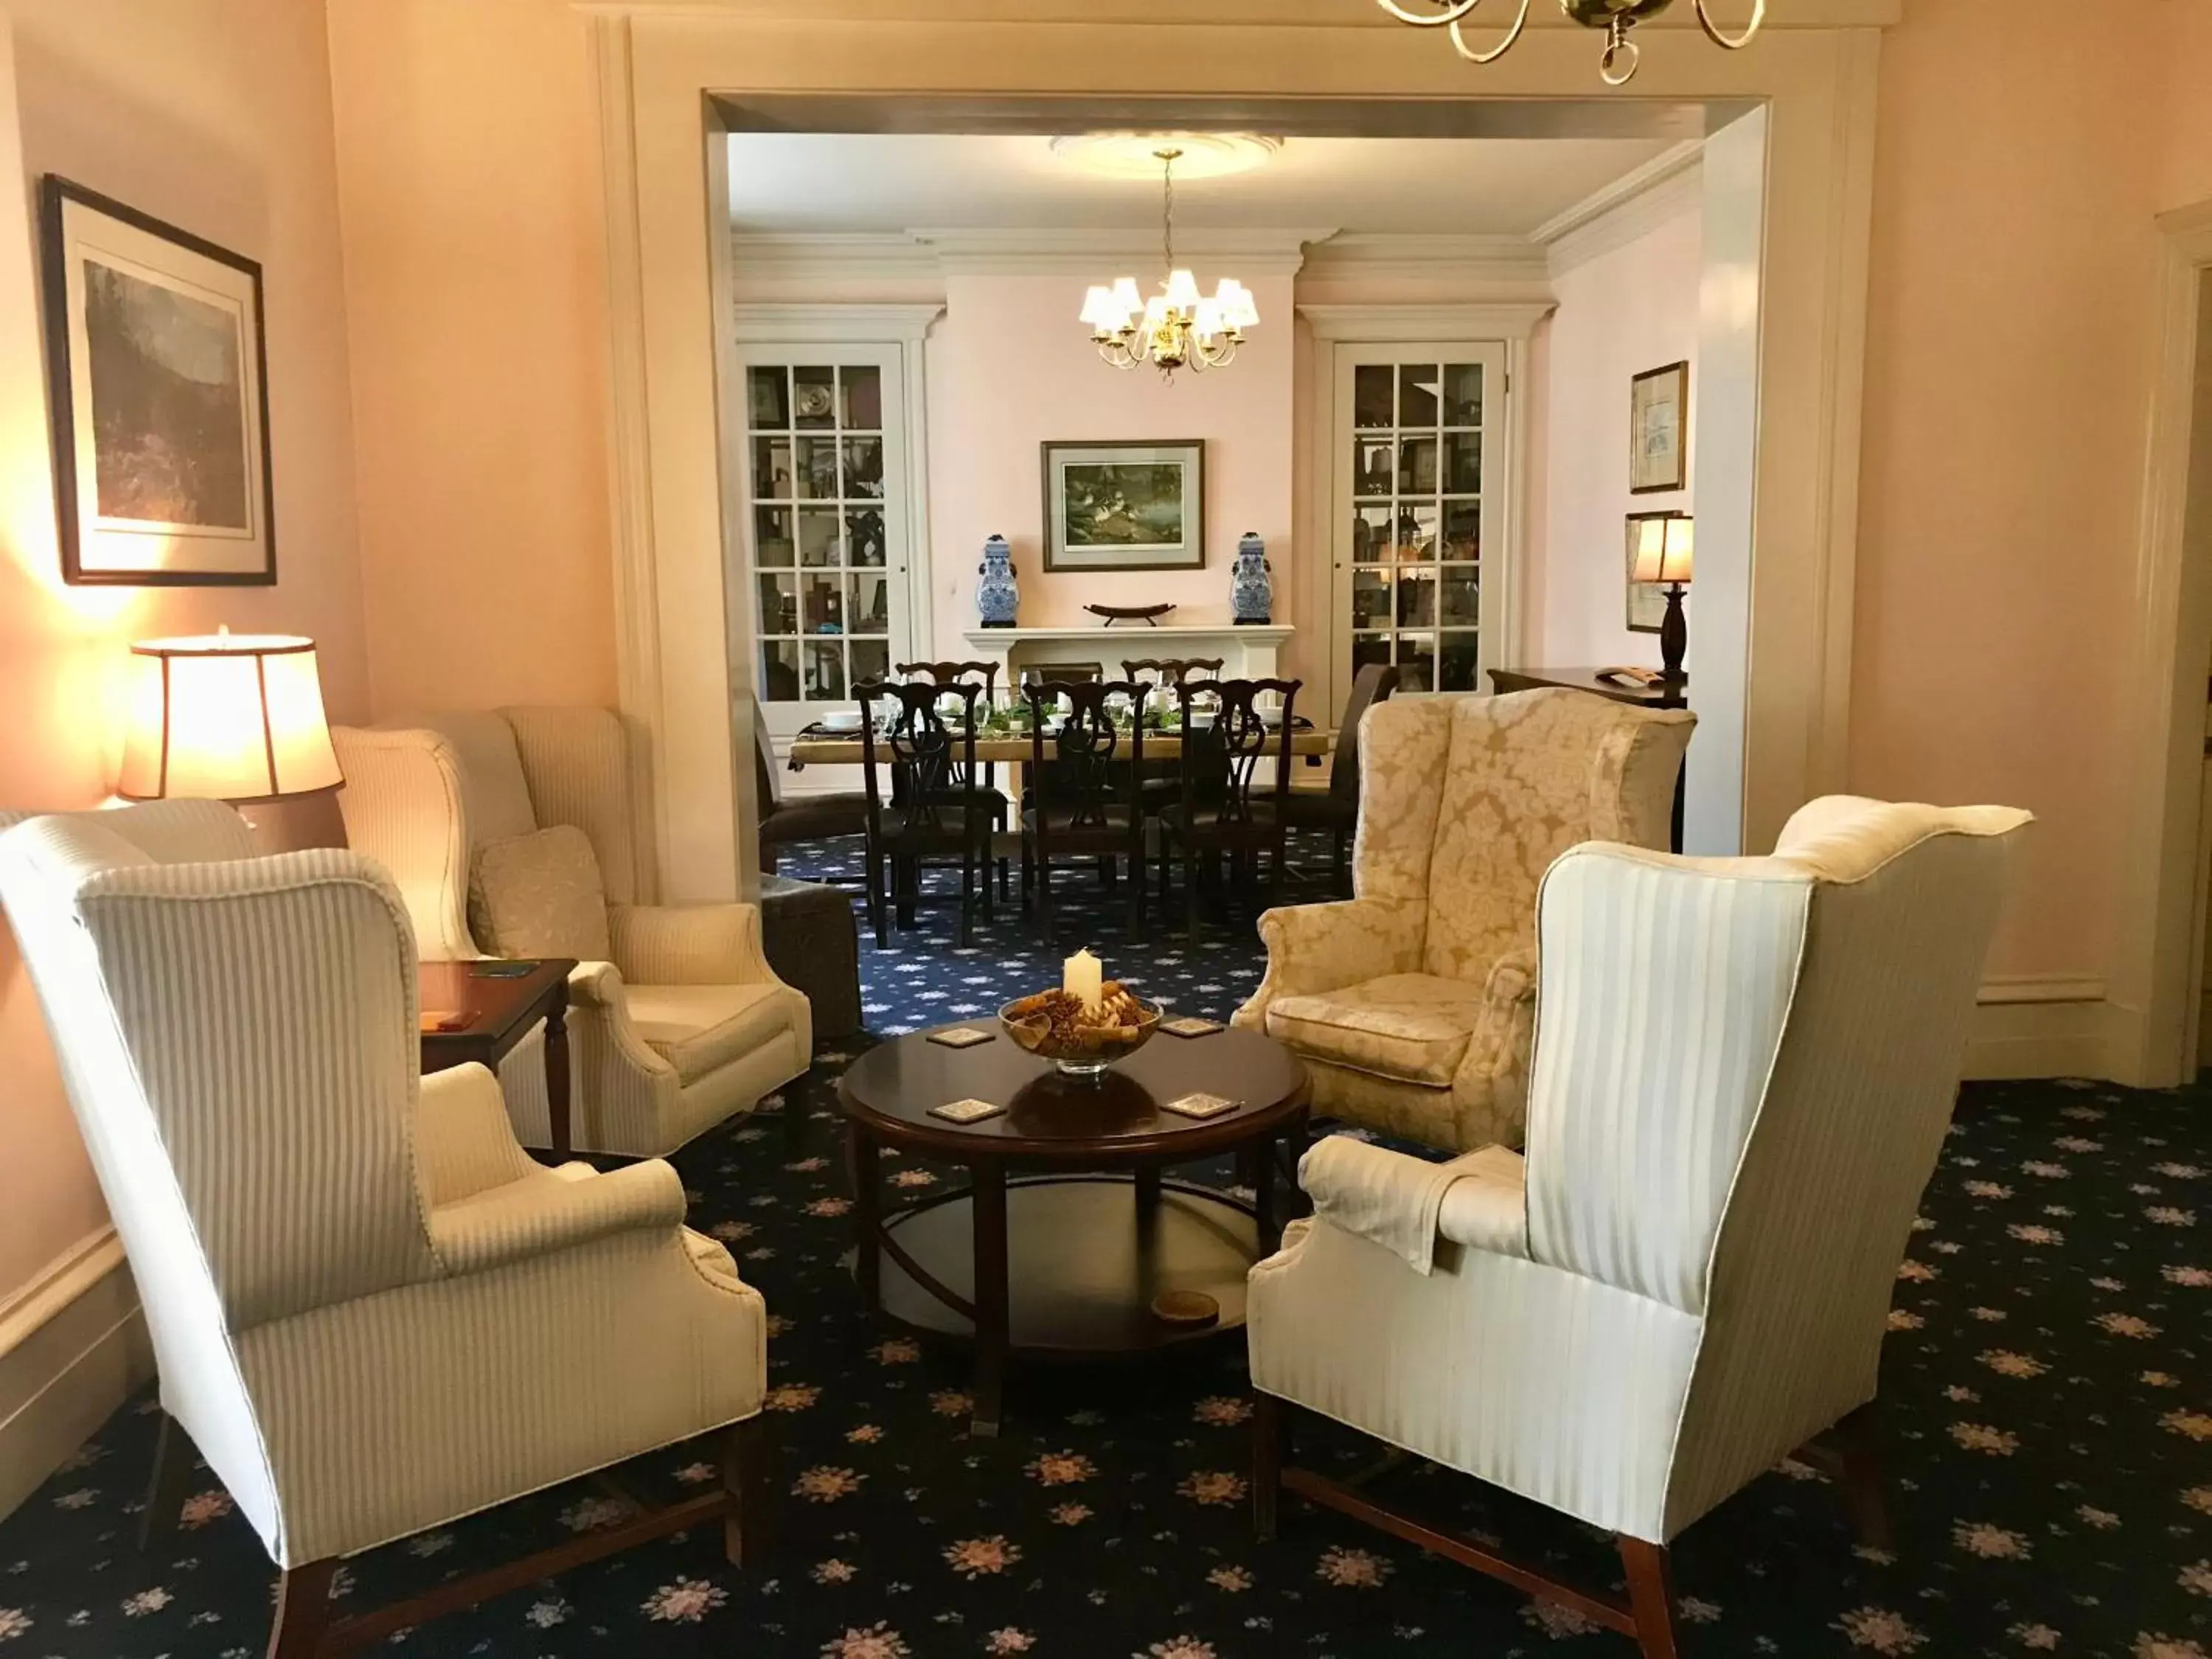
73,1348
2042,1026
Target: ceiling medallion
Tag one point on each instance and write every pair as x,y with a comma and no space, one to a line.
1615,17
1177,327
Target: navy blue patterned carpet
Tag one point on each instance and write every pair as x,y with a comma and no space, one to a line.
2047,1397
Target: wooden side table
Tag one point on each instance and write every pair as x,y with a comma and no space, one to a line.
499,1009
1667,694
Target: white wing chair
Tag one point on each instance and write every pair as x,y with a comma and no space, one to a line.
1411,1003
372,1313
682,1024
1744,1070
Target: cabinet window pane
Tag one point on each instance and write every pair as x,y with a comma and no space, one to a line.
1458,668
863,389
774,542
778,605
814,398
871,660
767,392
1371,395
1462,394
864,536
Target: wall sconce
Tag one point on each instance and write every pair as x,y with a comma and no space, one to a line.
1665,549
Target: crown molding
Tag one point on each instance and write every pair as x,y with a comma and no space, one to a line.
1616,214
1459,259
1199,13
800,257
768,321
1503,320
1024,252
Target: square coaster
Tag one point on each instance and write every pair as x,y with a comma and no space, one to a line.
1190,1026
965,1111
1202,1105
961,1036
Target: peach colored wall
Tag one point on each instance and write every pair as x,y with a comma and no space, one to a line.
214,115
476,302
2184,175
1010,366
1631,308
2007,372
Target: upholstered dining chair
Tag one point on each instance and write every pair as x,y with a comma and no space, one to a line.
1744,1072
1412,1002
373,1314
509,833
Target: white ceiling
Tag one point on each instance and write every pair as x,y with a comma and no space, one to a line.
803,182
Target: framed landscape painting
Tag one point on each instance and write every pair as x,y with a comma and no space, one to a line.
157,375
1125,506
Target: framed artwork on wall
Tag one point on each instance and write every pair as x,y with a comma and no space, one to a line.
1125,506
1658,402
1647,601
158,377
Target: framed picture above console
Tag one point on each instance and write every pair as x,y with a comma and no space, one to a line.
158,378
1127,505
1658,406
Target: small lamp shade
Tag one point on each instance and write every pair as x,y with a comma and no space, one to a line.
234,717
1665,549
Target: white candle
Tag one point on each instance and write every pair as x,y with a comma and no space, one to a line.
1081,976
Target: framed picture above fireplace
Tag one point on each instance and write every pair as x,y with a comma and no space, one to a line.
1125,505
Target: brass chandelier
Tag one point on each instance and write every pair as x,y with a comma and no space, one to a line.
1177,327
1615,17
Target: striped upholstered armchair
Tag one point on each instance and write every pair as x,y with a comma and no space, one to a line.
372,1312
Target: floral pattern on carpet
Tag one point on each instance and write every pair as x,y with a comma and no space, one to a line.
2049,1427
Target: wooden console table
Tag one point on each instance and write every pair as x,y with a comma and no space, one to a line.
1669,693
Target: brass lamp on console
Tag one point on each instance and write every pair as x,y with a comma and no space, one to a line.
1664,545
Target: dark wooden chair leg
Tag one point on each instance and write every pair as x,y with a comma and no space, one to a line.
1190,893
1270,1440
1858,1438
303,1610
171,1483
748,1483
1651,1595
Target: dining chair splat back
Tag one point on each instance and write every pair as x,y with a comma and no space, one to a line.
1081,801
928,809
1171,670
1225,806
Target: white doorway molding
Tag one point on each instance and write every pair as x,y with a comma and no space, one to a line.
664,72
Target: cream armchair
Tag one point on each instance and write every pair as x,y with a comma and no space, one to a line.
1413,1003
1744,1070
680,1024
372,1312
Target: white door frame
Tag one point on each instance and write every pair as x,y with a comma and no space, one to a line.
2152,1040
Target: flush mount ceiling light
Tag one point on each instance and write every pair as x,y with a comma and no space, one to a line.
1615,17
1137,154
1177,327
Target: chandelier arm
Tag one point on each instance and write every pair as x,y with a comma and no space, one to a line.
1461,47
1430,20
1750,29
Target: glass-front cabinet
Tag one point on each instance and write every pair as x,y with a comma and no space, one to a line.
1418,504
825,525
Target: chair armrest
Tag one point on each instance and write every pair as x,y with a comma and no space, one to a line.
1326,947
1488,1207
1398,1201
595,985
1497,1054
467,1141
545,1212
689,945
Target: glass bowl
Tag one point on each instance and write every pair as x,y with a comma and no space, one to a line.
1077,1051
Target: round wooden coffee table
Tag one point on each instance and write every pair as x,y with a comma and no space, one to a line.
1068,1260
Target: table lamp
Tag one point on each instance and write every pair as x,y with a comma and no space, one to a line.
225,717
1664,544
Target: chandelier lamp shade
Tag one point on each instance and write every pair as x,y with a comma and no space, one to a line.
1177,327
1616,17
225,717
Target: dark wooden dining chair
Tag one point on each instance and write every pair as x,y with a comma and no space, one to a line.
1080,802
1171,670
1337,809
793,822
953,674
1223,805
1160,782
917,808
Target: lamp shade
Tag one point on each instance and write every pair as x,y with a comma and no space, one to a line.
234,717
1665,548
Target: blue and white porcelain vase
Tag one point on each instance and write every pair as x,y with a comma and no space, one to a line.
997,595
1251,582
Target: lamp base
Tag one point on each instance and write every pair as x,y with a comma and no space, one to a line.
1674,634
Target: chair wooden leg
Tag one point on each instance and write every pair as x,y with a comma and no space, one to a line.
303,1610
1190,890
1858,1438
1651,1595
749,1481
171,1482
1270,1441
1044,897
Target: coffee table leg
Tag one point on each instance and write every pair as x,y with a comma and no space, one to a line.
867,1214
1263,1154
991,1318
1147,1183
557,1072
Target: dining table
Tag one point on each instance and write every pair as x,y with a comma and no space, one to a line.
815,747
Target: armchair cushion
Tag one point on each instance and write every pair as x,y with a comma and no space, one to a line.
700,1028
539,894
1414,1027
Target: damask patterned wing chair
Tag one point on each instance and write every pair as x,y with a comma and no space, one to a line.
1744,1072
372,1313
1413,1002
509,834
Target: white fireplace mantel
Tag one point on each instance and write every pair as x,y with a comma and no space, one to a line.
1249,652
